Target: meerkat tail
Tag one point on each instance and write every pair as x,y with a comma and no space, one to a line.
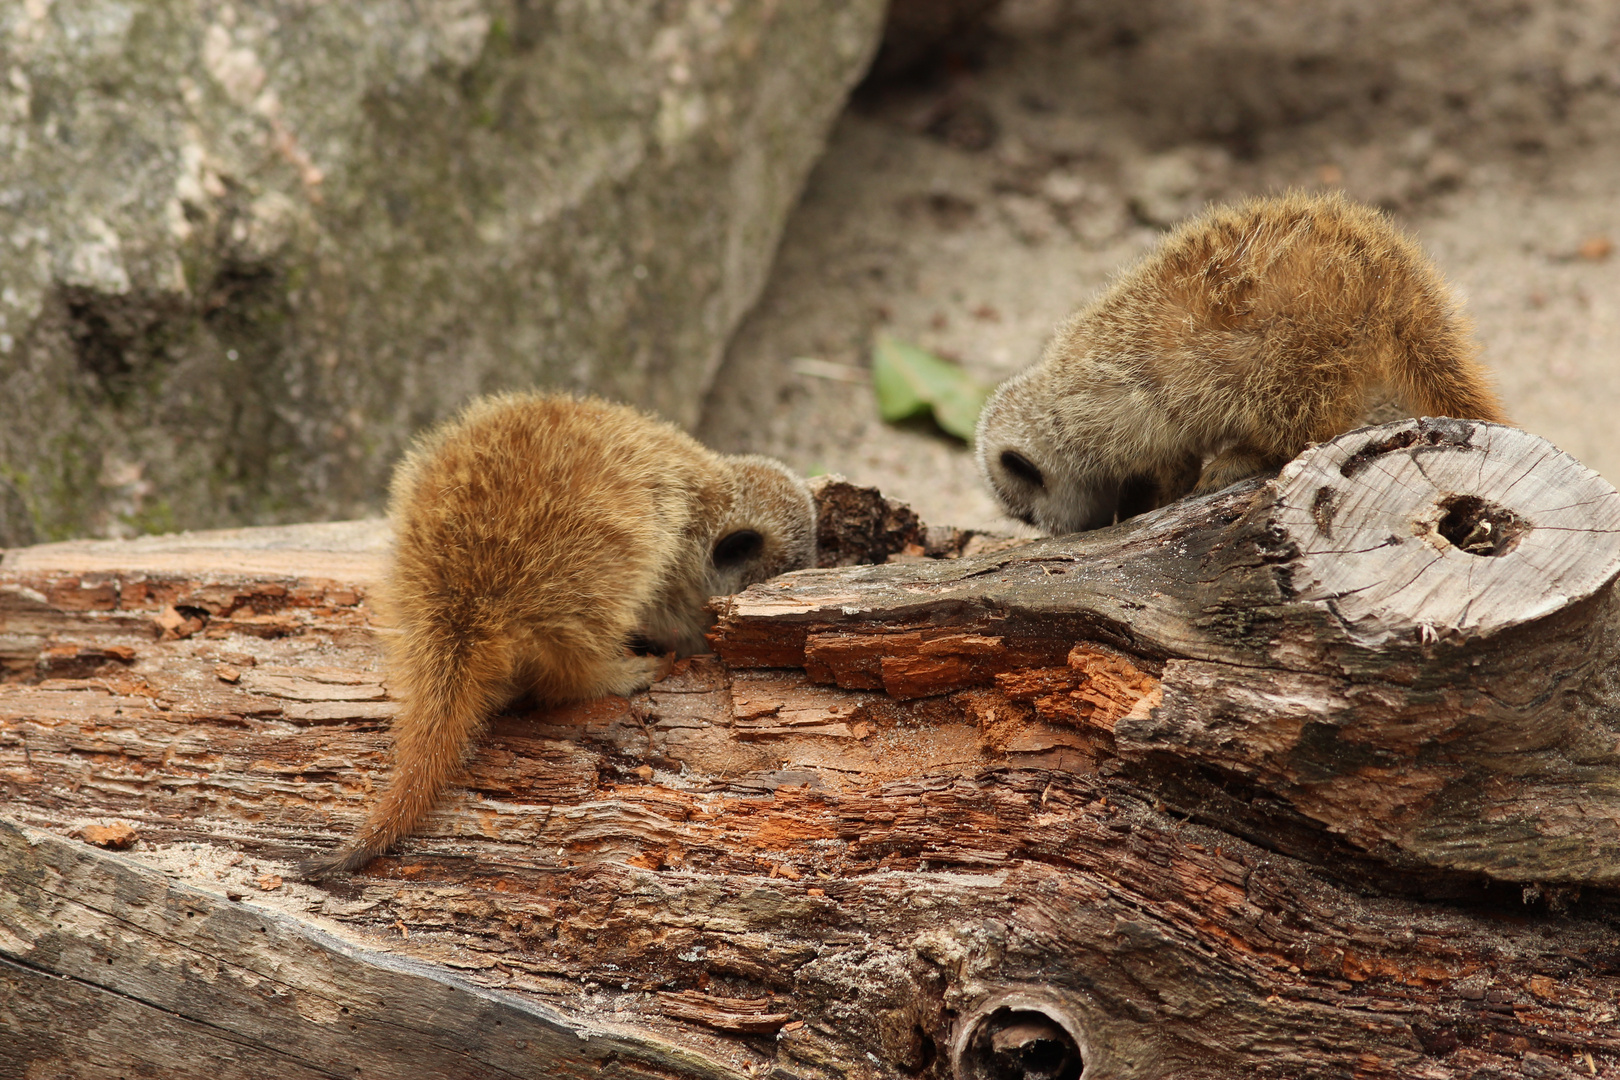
1440,376
1459,388
454,694
1463,399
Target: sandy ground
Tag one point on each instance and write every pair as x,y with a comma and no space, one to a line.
971,213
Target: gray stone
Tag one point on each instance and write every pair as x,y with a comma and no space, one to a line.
248,248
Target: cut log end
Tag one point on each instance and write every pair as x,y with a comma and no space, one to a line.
1435,528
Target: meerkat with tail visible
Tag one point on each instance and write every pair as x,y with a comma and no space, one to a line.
1251,331
536,540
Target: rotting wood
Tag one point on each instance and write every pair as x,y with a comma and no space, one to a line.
128,969
954,824
1326,641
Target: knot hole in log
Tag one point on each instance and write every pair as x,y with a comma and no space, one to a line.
1019,1038
1478,527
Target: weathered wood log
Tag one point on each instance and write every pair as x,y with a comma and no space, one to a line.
1172,799
1409,639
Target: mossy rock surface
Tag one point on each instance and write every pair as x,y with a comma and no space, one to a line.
251,248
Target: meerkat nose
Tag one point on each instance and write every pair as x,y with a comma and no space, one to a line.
737,548
1021,467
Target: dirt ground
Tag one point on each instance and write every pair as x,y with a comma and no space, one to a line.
970,211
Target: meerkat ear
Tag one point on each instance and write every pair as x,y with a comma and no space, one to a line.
736,548
1023,468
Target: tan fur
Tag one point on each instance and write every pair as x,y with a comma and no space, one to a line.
538,537
1250,332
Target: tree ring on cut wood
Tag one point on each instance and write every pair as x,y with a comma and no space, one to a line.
1438,528
1020,1036
1457,711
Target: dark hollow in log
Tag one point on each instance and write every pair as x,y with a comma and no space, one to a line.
997,815
1020,1035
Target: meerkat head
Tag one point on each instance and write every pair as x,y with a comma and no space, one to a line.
1037,464
770,529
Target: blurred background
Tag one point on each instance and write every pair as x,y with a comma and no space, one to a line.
972,205
247,249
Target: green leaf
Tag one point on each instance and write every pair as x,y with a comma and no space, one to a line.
911,381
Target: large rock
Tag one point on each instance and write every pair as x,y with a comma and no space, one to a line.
247,249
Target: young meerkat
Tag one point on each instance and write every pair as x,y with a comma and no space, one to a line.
1251,331
537,538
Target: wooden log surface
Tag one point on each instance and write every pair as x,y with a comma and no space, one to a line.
1318,638
1139,797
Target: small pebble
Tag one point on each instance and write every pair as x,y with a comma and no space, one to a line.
1595,248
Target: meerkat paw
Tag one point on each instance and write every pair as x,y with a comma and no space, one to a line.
1234,464
633,673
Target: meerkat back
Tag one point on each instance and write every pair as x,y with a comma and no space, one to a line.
1250,332
544,516
537,538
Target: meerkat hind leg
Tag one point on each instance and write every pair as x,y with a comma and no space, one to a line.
1237,463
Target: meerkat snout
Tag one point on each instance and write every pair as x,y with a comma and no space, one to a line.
559,548
770,530
1250,332
1033,482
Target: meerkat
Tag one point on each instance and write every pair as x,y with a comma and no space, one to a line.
1250,332
537,539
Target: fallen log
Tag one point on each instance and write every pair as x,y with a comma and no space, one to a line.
1313,777
1407,641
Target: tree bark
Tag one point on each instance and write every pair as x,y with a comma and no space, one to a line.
1407,642
1313,777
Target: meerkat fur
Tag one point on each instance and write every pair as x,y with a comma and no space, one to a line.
1250,332
536,539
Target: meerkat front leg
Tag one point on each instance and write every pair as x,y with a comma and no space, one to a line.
1237,463
632,673
1180,478
1149,491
